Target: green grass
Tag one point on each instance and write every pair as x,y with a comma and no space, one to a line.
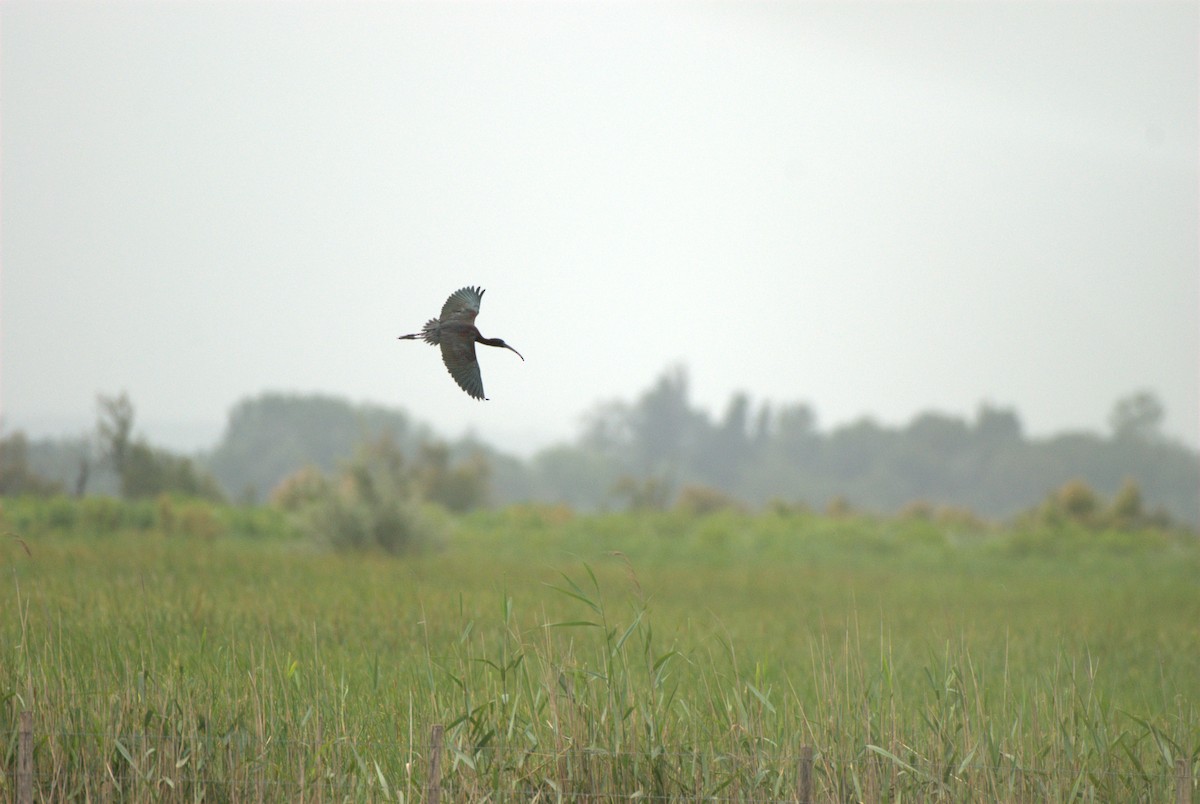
604,657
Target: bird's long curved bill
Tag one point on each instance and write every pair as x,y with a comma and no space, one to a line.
506,346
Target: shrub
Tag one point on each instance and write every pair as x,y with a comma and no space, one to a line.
300,488
393,525
701,500
1075,503
839,508
1126,507
920,510
187,518
783,508
646,494
372,504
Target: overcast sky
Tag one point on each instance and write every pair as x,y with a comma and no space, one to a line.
879,209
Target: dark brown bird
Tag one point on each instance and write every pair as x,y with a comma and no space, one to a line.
454,331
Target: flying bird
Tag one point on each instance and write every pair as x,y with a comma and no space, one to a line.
454,331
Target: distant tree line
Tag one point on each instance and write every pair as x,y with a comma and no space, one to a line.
657,451
272,435
646,452
111,460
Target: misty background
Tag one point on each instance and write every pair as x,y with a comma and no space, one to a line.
872,210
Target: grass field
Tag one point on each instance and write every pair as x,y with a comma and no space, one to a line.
651,656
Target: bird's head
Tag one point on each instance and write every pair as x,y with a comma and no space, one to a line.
499,342
506,346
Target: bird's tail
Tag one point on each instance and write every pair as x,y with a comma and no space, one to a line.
429,333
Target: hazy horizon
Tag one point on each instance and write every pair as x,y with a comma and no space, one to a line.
876,209
200,436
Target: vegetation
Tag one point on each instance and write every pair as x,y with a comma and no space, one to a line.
649,453
17,476
123,463
644,454
976,645
1075,502
143,470
175,649
379,500
778,453
270,436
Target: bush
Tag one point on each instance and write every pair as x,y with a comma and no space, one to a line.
701,500
187,518
372,504
1075,503
300,488
839,508
393,526
646,494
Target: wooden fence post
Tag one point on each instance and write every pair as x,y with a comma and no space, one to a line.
804,775
25,759
433,785
1183,781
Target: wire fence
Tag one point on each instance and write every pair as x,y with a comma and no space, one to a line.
165,767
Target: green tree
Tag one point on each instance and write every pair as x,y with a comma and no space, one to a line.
606,429
115,429
272,435
938,434
723,451
796,428
995,427
852,450
1137,417
662,423
577,475
16,475
146,471
456,487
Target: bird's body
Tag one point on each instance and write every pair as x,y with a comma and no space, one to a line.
454,331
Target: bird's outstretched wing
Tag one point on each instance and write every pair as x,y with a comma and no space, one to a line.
462,307
459,356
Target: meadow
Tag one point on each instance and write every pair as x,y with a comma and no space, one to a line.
190,653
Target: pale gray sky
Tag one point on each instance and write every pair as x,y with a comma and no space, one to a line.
875,208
